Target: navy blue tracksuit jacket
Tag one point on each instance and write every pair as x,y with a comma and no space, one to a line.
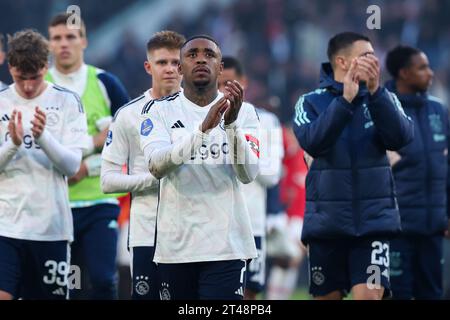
421,174
350,187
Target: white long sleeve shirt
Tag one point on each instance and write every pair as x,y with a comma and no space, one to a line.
34,203
202,215
122,146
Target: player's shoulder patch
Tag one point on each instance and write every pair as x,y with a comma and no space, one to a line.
109,138
149,105
71,94
146,127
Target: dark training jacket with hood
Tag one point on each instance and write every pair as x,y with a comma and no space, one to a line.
350,187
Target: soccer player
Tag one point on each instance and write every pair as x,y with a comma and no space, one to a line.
421,180
269,175
201,143
2,60
95,213
346,126
43,131
123,146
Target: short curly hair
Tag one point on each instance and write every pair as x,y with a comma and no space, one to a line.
399,58
27,51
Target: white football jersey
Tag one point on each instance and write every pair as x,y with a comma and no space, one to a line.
202,214
123,146
271,155
34,203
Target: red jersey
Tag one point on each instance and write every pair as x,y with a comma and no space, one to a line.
292,185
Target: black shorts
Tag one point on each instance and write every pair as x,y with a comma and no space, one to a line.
340,264
416,267
34,269
144,276
211,280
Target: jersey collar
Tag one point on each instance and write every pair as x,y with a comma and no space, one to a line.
81,73
24,100
196,107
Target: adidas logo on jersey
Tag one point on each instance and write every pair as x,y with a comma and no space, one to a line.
239,292
5,117
59,292
178,124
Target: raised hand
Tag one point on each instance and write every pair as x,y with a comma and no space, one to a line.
351,82
369,68
234,92
15,128
214,115
38,123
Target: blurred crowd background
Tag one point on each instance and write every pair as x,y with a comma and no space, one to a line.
281,42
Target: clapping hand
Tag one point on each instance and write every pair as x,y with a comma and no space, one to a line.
15,127
38,123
